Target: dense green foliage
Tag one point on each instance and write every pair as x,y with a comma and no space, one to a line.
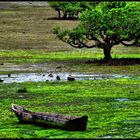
71,9
106,25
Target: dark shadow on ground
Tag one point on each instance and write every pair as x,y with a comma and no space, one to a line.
115,61
56,18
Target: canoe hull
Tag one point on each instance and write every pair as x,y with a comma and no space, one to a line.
74,123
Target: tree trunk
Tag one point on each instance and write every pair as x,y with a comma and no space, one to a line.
107,53
65,15
59,16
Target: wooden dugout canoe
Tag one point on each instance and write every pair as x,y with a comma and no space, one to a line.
73,123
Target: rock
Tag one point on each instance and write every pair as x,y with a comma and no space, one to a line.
9,75
58,77
70,78
1,80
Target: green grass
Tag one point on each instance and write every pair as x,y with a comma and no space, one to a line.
49,56
97,99
71,61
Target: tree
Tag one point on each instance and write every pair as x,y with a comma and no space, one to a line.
71,9
106,25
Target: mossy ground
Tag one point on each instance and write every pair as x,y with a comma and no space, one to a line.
112,105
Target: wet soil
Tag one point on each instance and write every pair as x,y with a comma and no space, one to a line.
116,61
48,72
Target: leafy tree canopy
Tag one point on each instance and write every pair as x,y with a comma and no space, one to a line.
106,25
71,8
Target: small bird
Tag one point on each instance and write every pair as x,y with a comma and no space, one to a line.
58,77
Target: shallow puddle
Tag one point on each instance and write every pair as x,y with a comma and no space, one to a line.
122,99
132,121
36,77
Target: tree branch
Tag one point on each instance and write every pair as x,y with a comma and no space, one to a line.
98,43
101,32
80,44
75,45
133,40
114,40
134,43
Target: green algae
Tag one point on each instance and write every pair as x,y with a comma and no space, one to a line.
113,112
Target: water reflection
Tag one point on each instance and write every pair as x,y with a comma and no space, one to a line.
36,77
122,99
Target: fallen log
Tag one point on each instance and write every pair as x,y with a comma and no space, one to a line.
73,123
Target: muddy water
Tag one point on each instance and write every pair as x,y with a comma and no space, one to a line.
40,72
36,77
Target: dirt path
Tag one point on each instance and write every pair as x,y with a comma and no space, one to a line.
31,3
